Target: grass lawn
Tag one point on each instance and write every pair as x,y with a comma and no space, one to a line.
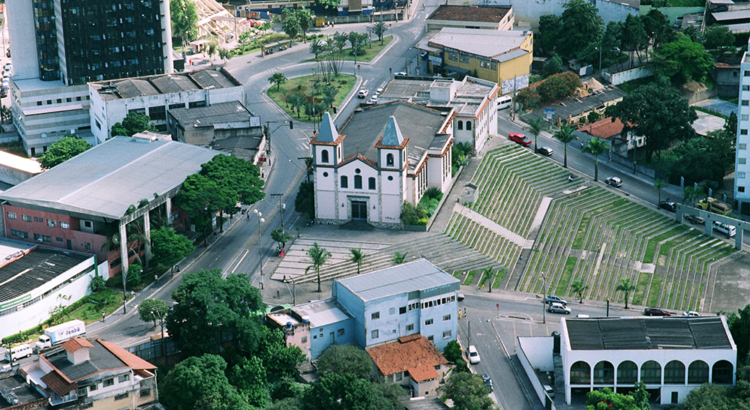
651,247
567,272
667,246
654,290
343,83
640,288
368,52
500,275
457,274
630,86
469,278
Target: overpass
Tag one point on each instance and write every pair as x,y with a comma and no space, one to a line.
710,217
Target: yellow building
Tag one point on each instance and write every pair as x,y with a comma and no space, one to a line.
501,56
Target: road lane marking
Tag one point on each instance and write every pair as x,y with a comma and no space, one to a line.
240,262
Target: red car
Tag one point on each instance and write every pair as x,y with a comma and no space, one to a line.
520,139
656,312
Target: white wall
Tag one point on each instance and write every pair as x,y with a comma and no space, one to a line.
742,171
528,12
22,36
535,347
627,75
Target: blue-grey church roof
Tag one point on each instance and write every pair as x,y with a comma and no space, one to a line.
392,135
327,131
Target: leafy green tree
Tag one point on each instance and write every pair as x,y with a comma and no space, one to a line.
611,40
633,36
337,392
208,307
224,54
289,403
596,147
682,60
581,25
133,276
558,86
249,377
131,125
318,257
153,310
535,127
62,150
593,117
550,29
606,399
399,258
200,383
279,359
97,284
170,246
379,30
278,79
566,136
626,287
329,95
658,113
553,66
281,237
578,288
304,203
305,20
184,14
718,397
658,186
329,4
657,26
358,257
344,360
452,351
718,36
468,392
290,23
411,215
387,396
739,326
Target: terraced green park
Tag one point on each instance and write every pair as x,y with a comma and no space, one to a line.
590,234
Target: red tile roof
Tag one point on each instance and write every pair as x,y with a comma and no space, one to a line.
58,384
128,358
72,345
422,373
409,353
487,14
604,128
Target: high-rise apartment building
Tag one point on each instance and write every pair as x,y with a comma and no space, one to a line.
60,45
742,161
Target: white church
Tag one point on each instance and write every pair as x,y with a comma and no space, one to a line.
385,154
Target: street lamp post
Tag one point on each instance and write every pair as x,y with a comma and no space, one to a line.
260,249
544,299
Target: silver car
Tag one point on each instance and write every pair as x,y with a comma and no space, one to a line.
558,308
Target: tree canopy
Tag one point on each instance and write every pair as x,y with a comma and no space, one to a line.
131,125
200,383
582,26
208,307
344,360
558,86
718,36
152,310
184,14
468,392
62,150
170,246
682,60
606,399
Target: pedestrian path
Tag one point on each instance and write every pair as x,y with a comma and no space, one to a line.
489,224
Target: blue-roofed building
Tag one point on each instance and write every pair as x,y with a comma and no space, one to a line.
376,308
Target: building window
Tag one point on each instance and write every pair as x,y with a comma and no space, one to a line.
82,392
26,218
402,310
87,245
742,160
460,125
37,219
39,103
468,125
375,316
109,382
399,376
722,372
19,234
324,156
392,311
651,372
12,215
340,332
390,178
604,373
743,132
428,322
51,223
93,387
745,103
697,372
580,373
410,327
674,372
358,182
42,238
344,182
741,189
325,175
627,373
375,334
304,339
123,378
742,146
431,338
745,117
446,318
64,225
145,392
447,334
371,183
121,396
389,160
740,175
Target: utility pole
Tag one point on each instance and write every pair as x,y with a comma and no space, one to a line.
544,299
470,333
260,248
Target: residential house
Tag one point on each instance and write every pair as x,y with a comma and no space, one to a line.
611,132
385,155
476,17
411,361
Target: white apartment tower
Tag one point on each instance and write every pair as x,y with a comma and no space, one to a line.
742,161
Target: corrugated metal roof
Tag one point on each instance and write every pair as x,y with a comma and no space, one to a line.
408,277
321,312
731,15
510,55
647,333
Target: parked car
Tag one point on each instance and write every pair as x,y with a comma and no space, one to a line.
423,55
373,99
555,299
726,229
668,205
363,93
656,312
379,91
473,355
549,390
487,382
558,308
519,139
695,219
460,296
614,181
545,151
401,74
504,102
691,313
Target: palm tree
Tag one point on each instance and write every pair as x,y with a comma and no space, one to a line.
358,257
379,29
596,147
278,79
535,127
658,186
399,258
578,288
487,273
625,286
566,136
318,257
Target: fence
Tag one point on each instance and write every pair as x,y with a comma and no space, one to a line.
155,348
626,75
640,169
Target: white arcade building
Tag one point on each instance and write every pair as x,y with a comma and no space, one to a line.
385,155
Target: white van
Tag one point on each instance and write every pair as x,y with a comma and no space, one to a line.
18,352
728,230
549,390
504,102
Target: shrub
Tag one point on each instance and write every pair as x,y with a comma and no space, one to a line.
434,193
134,275
97,284
410,214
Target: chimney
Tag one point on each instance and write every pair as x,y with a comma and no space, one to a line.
78,350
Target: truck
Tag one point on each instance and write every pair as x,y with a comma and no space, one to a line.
714,205
57,334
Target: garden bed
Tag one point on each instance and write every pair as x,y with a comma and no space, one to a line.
344,84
